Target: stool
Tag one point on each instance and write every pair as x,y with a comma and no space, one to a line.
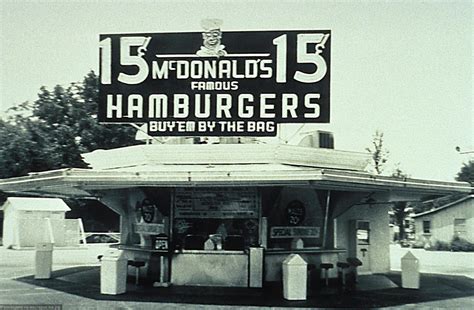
354,262
137,265
342,267
326,267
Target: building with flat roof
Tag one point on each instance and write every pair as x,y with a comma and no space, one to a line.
229,214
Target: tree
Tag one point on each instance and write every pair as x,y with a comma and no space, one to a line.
52,132
17,150
379,159
466,173
378,152
399,208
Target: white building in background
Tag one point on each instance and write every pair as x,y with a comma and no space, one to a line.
29,221
443,223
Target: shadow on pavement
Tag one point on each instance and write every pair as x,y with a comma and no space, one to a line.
380,290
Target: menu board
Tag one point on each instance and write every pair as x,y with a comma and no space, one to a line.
216,203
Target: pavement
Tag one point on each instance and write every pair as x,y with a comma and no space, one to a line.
75,284
439,262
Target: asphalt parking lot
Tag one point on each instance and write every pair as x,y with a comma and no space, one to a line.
75,285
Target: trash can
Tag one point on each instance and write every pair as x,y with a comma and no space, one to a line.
410,271
113,273
294,277
43,260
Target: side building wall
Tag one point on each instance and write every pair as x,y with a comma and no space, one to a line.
313,216
442,223
379,250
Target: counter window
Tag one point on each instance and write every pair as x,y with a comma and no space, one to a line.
226,234
215,218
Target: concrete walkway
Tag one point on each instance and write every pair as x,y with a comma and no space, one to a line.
75,285
18,263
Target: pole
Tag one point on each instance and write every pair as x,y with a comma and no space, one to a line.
326,214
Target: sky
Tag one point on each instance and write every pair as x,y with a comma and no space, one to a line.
402,67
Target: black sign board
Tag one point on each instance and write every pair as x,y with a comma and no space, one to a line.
244,86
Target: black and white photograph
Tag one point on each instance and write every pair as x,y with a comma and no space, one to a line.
239,154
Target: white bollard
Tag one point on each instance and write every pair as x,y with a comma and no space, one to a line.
43,260
294,277
410,271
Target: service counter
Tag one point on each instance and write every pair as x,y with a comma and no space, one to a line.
138,248
210,268
201,267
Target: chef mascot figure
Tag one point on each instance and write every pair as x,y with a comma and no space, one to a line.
211,36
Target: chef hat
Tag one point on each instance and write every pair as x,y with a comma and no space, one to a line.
211,24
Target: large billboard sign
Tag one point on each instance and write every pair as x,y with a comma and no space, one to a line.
215,83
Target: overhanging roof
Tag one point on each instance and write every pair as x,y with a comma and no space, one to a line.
85,181
448,205
223,165
36,204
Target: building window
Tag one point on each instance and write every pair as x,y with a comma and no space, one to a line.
459,226
426,227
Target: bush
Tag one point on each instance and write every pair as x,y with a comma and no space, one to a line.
405,243
440,246
459,244
418,244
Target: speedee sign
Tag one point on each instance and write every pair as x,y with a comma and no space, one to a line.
215,83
